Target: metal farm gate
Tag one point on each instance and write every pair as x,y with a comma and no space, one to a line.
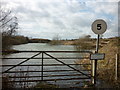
51,67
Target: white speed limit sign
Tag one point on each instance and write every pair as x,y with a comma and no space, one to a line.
99,26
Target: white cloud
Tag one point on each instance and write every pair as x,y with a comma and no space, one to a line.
68,18
111,0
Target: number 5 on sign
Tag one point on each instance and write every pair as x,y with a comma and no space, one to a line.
99,26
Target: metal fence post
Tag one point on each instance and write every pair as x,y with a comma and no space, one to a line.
94,63
42,68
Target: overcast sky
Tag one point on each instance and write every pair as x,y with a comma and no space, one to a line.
69,19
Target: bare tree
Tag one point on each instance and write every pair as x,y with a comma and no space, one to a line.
56,40
56,37
8,26
8,23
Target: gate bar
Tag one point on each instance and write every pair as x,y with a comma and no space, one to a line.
44,71
44,65
46,76
21,62
85,51
67,65
50,58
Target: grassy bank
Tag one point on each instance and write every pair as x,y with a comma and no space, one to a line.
8,41
106,67
9,51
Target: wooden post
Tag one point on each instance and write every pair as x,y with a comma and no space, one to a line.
116,67
93,72
0,60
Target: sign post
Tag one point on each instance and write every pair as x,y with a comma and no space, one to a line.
98,27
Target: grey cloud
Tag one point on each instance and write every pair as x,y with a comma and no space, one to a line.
68,19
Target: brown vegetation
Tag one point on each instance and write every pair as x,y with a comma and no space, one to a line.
84,44
5,82
36,40
46,85
8,41
106,67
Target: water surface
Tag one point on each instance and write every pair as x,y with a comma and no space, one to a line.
45,47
